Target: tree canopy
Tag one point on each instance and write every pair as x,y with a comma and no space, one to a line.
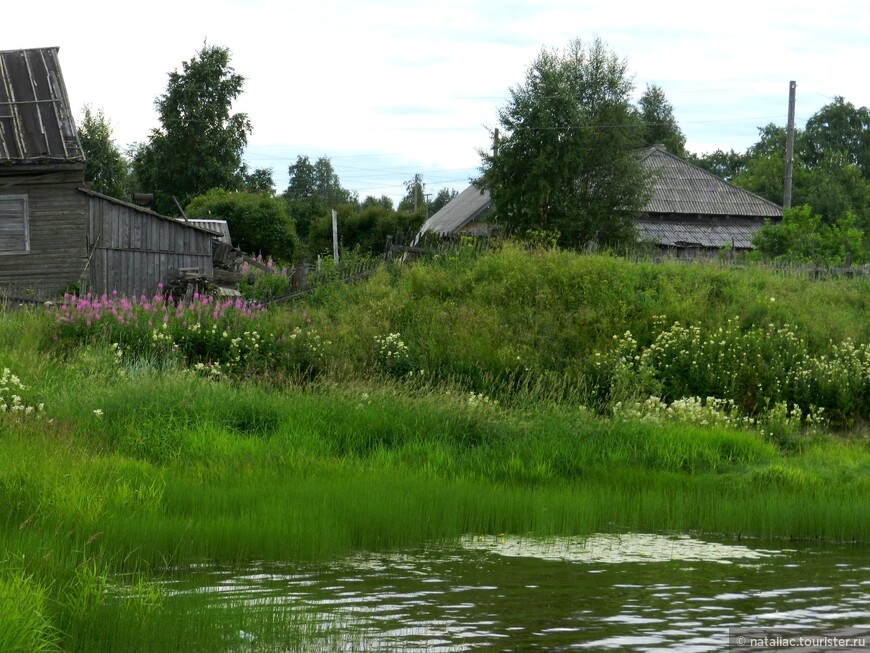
106,169
258,222
659,124
566,158
200,142
314,190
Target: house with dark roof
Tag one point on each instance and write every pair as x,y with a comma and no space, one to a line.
54,232
690,211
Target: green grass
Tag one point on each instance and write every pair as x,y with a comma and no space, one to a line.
139,465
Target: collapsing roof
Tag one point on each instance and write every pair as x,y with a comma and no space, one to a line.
36,124
737,234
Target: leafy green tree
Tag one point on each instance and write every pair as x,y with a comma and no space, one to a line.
765,176
659,125
106,169
726,165
835,187
441,199
363,229
415,196
200,142
567,161
772,140
259,181
259,223
804,237
384,201
314,190
841,127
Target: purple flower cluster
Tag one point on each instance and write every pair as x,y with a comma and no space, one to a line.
91,310
203,328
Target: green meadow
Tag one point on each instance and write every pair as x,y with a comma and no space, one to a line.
505,391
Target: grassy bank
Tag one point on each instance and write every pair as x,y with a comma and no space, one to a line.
165,437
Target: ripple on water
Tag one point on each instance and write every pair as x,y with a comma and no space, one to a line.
508,593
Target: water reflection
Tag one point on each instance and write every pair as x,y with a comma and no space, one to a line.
504,593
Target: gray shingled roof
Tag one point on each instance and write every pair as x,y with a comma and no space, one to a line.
458,212
682,188
683,234
36,125
679,189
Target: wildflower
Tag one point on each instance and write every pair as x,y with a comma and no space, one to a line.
98,412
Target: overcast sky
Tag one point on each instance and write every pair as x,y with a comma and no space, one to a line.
391,88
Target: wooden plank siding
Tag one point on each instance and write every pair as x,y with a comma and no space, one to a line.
57,216
135,250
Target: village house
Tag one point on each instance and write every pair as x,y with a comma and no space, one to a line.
691,212
55,233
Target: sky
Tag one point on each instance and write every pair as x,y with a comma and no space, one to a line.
388,89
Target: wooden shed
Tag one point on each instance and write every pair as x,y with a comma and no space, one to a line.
56,234
132,249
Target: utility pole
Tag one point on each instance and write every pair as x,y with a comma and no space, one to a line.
789,145
335,236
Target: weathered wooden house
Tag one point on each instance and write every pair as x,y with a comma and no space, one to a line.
691,212
54,232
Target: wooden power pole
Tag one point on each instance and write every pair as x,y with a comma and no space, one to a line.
789,145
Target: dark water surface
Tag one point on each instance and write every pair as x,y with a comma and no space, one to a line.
628,592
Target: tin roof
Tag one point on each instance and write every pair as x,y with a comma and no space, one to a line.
36,124
678,187
217,227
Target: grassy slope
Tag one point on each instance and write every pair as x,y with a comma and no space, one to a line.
180,469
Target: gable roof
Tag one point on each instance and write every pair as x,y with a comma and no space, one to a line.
36,124
458,212
680,187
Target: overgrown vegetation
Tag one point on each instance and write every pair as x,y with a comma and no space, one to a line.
475,389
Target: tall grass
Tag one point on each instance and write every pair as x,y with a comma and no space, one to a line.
456,396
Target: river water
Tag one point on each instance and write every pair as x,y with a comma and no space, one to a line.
605,592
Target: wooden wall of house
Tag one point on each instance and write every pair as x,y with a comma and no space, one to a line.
57,221
135,250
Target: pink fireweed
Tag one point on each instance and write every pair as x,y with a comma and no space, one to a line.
205,329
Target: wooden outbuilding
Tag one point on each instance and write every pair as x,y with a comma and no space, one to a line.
691,212
55,234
